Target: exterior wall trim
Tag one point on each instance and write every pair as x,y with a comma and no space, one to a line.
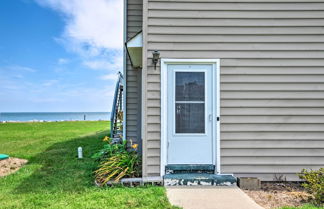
144,88
216,107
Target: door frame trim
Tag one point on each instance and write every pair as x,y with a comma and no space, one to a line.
216,108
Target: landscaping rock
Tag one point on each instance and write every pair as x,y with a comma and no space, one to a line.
249,183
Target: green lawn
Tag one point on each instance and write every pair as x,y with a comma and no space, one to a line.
55,178
304,207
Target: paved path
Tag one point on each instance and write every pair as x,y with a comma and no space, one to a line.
210,198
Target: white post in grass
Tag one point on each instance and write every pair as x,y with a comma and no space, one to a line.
80,155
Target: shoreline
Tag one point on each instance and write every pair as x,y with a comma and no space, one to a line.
49,121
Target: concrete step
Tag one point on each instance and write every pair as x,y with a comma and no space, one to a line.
189,168
198,179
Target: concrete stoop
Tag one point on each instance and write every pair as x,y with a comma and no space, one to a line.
195,175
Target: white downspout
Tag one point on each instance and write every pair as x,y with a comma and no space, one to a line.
124,68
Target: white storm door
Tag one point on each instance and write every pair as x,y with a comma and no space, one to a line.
190,114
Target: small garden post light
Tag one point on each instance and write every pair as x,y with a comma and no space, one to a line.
156,57
80,153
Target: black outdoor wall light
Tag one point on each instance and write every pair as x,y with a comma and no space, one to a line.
156,57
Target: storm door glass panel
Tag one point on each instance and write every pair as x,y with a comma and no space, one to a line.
190,102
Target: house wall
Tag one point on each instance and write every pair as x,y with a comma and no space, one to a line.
272,79
133,76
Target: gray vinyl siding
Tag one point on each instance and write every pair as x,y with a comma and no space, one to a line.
133,76
272,79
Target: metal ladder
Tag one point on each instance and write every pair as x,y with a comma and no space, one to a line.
116,118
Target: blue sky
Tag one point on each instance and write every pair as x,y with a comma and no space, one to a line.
59,55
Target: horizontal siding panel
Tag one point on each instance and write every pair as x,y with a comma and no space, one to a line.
133,6
272,152
153,77
131,131
273,119
135,17
153,94
132,12
272,103
236,38
271,127
132,90
153,161
273,62
272,87
132,117
279,144
272,78
246,54
248,46
271,94
153,126
155,144
265,169
174,14
235,62
132,123
153,170
134,2
153,111
154,119
279,70
137,23
153,85
221,6
133,30
272,135
154,103
153,135
272,111
234,22
272,160
153,152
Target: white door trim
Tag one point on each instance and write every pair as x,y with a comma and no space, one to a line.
216,107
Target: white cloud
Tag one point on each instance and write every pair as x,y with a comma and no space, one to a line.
115,64
50,83
92,26
94,30
18,68
62,61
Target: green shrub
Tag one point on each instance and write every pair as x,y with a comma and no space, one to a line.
118,161
117,166
314,184
109,150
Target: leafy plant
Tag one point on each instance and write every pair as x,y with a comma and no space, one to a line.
124,164
109,150
118,161
314,184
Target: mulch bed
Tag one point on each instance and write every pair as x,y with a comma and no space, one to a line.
11,165
276,195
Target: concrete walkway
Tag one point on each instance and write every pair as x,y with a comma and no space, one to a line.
210,198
